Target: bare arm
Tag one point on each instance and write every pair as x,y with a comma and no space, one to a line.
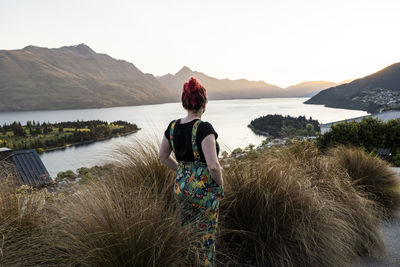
164,154
210,154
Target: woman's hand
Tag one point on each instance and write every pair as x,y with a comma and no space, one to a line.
210,154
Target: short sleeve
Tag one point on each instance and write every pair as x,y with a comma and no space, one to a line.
205,128
166,133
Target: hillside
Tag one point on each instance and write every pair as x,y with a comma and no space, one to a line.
371,93
70,77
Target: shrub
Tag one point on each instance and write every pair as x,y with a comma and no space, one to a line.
67,175
370,175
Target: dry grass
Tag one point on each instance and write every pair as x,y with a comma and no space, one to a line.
139,162
335,184
286,207
21,216
109,224
127,218
118,220
289,208
370,175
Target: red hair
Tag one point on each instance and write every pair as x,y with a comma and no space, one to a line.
194,95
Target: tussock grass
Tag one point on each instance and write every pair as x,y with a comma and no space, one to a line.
21,216
116,220
370,175
139,163
289,208
109,224
334,183
126,218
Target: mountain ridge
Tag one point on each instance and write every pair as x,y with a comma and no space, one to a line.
240,88
75,77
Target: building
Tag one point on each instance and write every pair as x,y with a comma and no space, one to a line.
383,116
26,165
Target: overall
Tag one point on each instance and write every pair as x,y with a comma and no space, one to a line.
198,196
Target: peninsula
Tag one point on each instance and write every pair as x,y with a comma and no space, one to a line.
51,136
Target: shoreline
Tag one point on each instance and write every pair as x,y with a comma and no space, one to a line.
86,142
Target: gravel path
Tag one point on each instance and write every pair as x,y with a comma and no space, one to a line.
391,235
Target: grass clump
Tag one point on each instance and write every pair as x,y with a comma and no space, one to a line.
125,217
371,175
288,207
108,224
22,211
139,162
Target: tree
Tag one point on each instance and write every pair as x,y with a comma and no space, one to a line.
370,134
310,129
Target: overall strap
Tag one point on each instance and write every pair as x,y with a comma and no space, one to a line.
171,135
195,149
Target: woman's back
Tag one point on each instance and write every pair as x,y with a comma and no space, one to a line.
183,139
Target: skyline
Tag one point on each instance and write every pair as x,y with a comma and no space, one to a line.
281,43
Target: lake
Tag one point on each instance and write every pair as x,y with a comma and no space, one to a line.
229,118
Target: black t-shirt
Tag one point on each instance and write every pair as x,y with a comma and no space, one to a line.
183,139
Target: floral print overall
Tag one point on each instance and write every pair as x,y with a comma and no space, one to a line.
199,196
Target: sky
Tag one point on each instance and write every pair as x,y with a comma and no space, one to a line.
282,42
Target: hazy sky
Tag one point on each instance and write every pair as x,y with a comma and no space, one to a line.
278,41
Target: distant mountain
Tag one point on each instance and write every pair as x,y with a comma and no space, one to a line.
75,77
346,81
71,77
308,88
242,88
222,88
371,93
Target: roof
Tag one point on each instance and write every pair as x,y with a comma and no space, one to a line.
30,168
384,151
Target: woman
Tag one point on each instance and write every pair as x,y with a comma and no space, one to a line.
198,184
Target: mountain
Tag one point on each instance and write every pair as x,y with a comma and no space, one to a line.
371,93
70,77
242,88
310,88
346,81
75,77
222,88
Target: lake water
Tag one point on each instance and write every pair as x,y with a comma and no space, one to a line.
229,118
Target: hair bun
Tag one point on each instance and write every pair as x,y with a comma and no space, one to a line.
194,95
192,85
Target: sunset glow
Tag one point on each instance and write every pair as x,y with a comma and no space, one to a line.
280,42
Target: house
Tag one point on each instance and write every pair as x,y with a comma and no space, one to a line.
383,116
27,166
